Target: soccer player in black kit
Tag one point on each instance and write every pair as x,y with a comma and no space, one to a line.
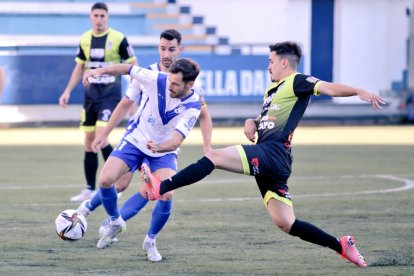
270,159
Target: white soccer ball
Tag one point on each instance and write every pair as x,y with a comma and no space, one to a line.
71,225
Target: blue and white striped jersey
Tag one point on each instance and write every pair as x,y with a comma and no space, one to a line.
158,115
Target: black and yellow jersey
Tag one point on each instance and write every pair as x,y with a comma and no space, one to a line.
95,51
284,104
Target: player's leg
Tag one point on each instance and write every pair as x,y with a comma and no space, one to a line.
228,159
112,170
281,211
88,206
160,216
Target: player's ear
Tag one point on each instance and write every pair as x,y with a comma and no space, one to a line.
190,84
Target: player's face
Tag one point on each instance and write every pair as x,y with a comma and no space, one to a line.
169,51
276,66
99,19
178,88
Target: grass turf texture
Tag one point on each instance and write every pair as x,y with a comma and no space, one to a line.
218,226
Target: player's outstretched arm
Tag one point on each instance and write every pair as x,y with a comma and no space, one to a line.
340,90
115,69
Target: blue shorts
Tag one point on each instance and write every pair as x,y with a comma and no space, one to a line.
134,158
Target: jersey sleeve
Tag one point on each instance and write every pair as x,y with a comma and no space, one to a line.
144,76
126,51
80,55
133,92
187,121
305,85
200,92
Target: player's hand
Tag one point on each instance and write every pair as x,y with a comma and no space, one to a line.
375,100
64,99
93,73
250,129
152,146
98,142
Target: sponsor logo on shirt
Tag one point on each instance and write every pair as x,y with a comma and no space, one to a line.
267,122
312,79
274,107
97,53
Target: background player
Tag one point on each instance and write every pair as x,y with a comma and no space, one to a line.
98,48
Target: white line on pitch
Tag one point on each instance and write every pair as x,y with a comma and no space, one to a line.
409,184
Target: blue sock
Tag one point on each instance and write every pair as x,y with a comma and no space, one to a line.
132,206
109,200
160,215
95,201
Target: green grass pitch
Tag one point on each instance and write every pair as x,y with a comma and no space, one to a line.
218,226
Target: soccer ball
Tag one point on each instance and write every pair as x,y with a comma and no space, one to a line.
71,225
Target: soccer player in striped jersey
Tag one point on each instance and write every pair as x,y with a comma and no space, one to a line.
270,159
169,110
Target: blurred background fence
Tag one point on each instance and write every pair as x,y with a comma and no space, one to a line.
38,41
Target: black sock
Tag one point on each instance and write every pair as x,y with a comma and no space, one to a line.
90,166
313,234
191,174
106,151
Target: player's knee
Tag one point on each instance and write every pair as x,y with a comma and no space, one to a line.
213,156
123,182
282,224
105,181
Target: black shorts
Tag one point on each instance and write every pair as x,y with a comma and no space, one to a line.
271,165
96,114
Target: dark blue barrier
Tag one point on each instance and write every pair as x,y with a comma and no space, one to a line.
34,79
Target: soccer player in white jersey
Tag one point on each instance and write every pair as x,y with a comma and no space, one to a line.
168,113
169,49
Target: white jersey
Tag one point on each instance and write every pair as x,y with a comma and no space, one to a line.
158,115
197,85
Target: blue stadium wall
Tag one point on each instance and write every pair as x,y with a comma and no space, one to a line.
40,79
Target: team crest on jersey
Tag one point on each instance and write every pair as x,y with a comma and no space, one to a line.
312,79
105,115
179,109
191,122
151,120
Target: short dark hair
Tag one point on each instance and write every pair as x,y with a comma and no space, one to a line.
188,67
99,6
289,50
171,34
